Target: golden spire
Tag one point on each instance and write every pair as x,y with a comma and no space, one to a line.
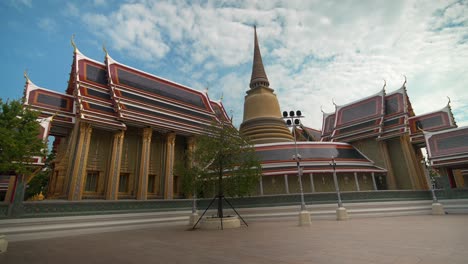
259,76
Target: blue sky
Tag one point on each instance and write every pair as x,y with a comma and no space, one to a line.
313,51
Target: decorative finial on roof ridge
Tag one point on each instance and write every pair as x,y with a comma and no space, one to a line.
385,84
26,76
105,50
404,84
321,109
450,111
333,101
221,98
73,43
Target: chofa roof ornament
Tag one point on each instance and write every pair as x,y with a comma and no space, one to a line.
73,43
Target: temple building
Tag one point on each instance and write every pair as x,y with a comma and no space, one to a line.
119,132
385,128
276,146
374,143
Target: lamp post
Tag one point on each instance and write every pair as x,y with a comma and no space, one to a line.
437,208
292,120
341,213
335,180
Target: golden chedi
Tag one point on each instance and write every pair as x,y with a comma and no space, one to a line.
262,121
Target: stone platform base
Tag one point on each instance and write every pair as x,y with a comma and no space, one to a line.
438,209
215,223
304,218
341,214
3,244
193,219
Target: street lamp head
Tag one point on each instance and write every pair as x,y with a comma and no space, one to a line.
288,122
285,114
298,113
291,113
297,157
296,121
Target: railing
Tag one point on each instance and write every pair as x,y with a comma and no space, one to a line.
50,208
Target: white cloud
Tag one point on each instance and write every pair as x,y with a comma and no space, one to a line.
71,10
47,24
313,51
20,4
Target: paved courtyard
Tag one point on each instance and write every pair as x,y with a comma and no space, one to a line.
403,239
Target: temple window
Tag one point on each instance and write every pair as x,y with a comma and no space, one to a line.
123,182
176,184
91,181
151,180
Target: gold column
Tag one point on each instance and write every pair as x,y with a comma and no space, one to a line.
142,188
67,163
410,160
168,174
78,174
190,149
114,170
391,181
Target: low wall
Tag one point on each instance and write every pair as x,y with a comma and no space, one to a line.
50,208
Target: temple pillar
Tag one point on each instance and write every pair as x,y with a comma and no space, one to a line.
142,187
286,184
373,181
391,181
114,170
357,182
261,184
410,160
169,165
312,184
78,174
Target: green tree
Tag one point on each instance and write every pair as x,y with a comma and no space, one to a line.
40,181
223,160
19,139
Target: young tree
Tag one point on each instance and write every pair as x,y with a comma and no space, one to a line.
19,142
40,181
19,139
224,160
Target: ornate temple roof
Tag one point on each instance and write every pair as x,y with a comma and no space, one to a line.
447,147
145,99
304,133
277,158
359,119
383,116
259,77
434,121
95,103
111,95
50,103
